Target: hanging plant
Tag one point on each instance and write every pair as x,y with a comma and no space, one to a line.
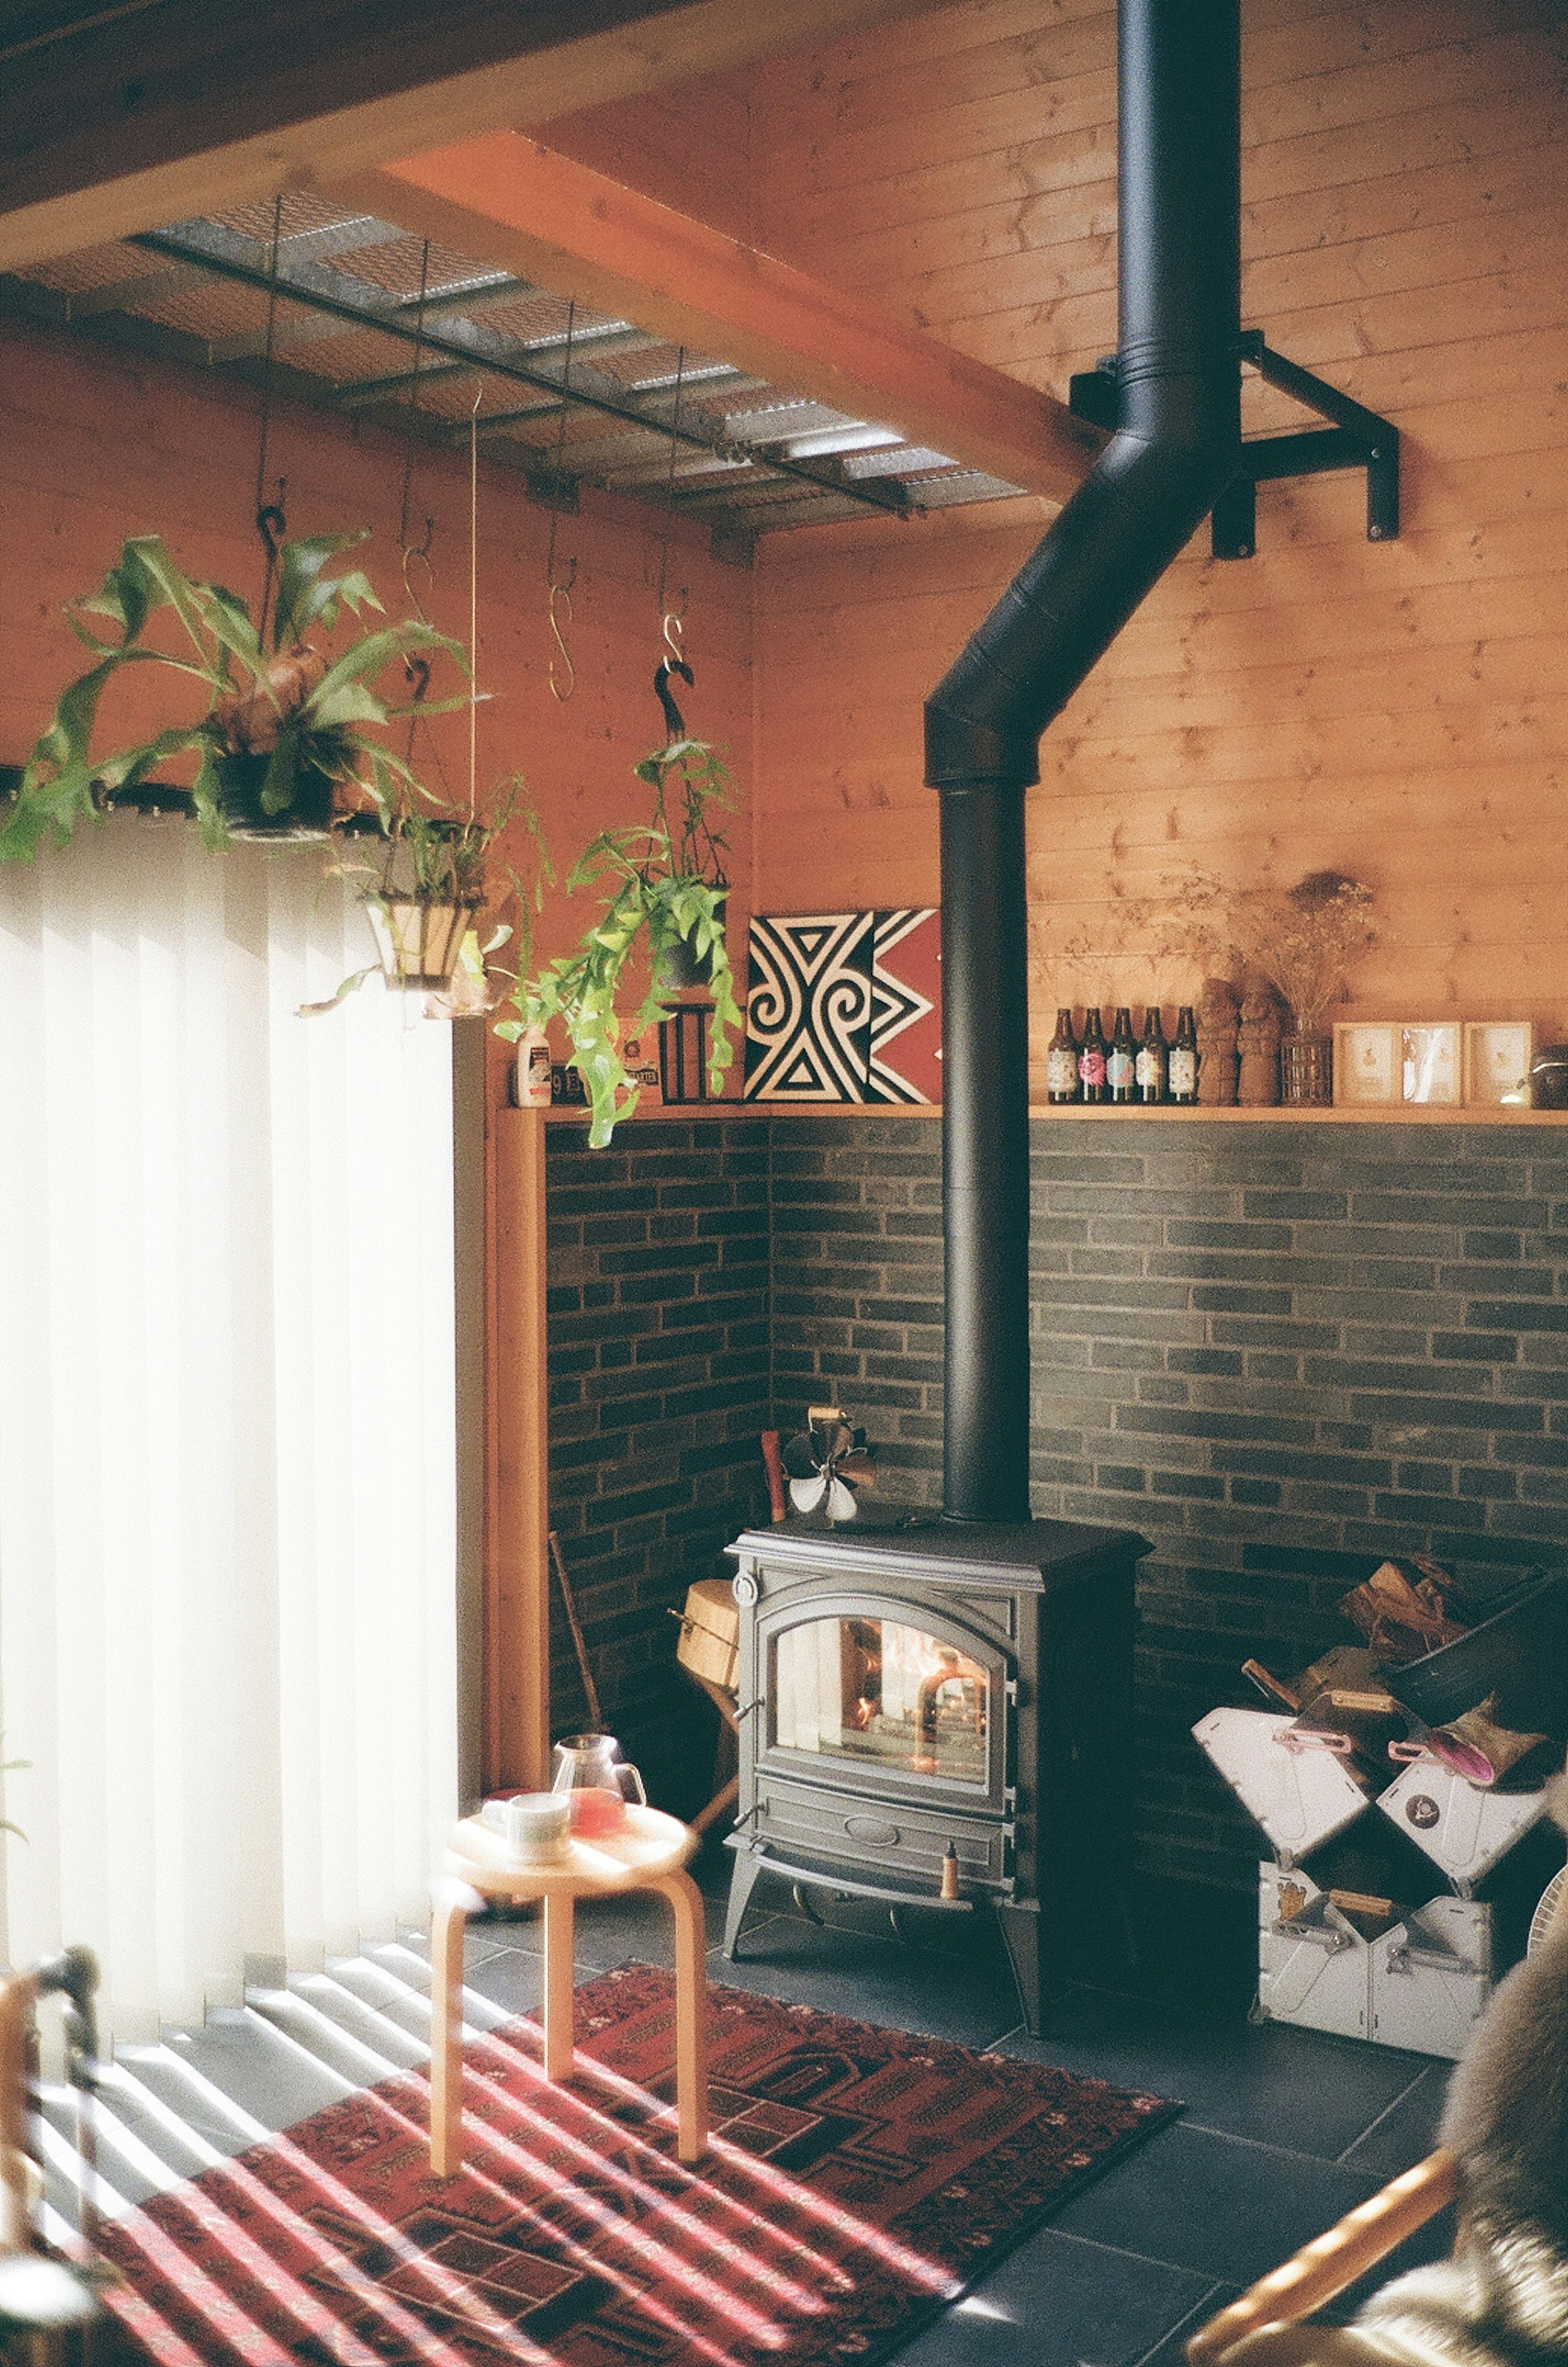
423,898
284,725
661,887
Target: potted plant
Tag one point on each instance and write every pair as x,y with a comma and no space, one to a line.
426,894
661,888
284,724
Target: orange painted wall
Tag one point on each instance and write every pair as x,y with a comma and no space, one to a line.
97,445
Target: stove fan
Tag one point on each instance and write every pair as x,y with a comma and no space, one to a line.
826,1462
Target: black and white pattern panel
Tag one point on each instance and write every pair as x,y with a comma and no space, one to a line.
809,1007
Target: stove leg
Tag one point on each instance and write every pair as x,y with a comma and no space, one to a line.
1020,1930
742,1882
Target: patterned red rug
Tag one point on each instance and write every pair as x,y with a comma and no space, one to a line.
858,2180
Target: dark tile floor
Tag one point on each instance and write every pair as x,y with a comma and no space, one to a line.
1284,2130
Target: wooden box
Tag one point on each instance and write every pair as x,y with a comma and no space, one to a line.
710,1634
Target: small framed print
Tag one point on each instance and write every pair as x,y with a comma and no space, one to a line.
1497,1056
1366,1061
1430,1063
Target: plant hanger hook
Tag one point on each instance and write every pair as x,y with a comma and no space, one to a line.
674,722
563,672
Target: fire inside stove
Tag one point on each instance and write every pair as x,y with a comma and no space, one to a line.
878,1690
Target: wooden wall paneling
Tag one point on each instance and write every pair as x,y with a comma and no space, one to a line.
1395,710
517,1660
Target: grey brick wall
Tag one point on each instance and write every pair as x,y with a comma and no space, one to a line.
1283,1351
659,1366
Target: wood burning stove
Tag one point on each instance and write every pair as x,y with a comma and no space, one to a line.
920,1693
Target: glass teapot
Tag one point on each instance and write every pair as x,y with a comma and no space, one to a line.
590,1769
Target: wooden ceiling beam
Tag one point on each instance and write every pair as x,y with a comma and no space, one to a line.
506,201
124,118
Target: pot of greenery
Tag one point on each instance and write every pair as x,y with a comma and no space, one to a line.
661,886
426,895
283,724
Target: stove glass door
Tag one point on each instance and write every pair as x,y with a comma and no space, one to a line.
884,1694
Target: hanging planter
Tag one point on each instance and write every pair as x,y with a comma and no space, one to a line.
662,894
306,811
418,943
679,968
285,721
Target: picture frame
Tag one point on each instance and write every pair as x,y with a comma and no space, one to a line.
1366,1062
1497,1058
1431,1069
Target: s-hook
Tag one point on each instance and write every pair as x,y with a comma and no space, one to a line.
562,685
563,673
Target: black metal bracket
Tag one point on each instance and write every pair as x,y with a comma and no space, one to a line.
1356,438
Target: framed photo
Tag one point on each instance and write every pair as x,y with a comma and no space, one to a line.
1366,1061
1497,1056
1430,1061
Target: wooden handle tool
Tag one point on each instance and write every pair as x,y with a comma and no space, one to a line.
775,1462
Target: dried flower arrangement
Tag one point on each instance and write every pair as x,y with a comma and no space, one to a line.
1308,938
1303,939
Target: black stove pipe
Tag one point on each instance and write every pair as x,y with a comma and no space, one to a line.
1175,450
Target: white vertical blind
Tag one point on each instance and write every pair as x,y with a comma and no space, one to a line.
226,1448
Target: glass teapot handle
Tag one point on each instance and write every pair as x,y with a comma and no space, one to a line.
626,1775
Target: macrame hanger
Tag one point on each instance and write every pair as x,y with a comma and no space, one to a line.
272,525
672,621
563,672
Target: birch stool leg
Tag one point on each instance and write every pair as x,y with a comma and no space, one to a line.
452,1905
691,2014
558,1985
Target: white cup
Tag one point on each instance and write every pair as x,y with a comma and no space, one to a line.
536,1826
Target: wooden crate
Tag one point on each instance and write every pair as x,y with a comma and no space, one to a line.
710,1634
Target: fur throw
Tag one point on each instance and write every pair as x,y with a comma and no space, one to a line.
1503,2299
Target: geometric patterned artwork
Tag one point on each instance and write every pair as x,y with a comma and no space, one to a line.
845,1007
906,1007
808,1007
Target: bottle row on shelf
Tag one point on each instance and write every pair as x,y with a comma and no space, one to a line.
1126,1068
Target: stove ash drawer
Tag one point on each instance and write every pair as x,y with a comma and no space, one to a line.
866,1834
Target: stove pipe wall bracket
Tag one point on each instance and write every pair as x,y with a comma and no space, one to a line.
1176,449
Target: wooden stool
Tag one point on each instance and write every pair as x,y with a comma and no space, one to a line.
647,1853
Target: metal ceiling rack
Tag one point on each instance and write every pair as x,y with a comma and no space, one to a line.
754,457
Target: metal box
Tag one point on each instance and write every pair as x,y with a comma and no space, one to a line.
1462,1828
1301,1797
1421,1985
1313,1963
1431,1978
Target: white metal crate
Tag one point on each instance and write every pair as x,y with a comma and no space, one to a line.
1312,1961
1463,1829
1301,1797
1431,1978
1421,1985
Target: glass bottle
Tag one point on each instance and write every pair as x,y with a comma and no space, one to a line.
1151,1058
1062,1060
1184,1057
1122,1064
1092,1058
